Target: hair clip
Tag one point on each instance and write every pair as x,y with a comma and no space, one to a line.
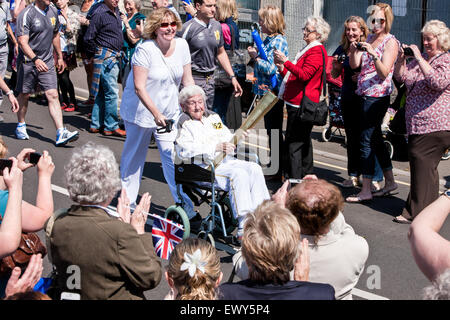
192,262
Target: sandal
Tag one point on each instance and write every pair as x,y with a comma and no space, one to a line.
401,220
351,182
383,192
354,198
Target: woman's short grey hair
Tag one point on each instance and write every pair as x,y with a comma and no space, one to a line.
137,4
322,27
440,30
190,91
440,289
92,174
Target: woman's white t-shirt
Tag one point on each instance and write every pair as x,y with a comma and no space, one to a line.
162,85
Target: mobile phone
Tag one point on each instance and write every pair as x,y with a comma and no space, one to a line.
34,157
294,182
138,22
5,163
408,51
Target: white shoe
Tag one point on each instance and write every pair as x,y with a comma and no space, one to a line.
66,136
21,132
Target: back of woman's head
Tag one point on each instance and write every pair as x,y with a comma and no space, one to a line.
92,174
270,243
315,204
194,267
226,9
273,19
3,148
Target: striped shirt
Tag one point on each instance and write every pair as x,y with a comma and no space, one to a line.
104,31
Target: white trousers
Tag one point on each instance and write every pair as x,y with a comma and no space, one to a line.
133,159
245,183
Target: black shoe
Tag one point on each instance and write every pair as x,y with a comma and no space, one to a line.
195,223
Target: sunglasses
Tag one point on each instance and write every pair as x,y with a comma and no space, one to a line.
167,24
378,21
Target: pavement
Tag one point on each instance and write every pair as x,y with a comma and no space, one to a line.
390,272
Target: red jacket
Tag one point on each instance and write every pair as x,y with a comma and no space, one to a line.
307,71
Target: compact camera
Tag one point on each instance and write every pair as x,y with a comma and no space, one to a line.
360,47
34,157
167,128
5,163
341,58
408,51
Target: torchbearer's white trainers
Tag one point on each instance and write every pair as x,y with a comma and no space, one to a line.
64,136
21,131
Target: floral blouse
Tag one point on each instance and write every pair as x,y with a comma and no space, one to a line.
428,97
369,83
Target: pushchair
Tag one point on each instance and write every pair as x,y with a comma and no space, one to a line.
335,123
394,126
335,127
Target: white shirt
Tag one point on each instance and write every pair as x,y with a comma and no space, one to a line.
163,81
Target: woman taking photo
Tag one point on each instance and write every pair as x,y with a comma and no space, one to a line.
133,25
355,30
302,77
160,64
427,114
272,23
376,57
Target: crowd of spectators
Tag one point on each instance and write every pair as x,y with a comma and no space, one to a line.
295,244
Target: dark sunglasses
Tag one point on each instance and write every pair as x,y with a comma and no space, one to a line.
167,24
380,21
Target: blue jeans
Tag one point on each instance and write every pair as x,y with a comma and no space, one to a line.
372,146
104,112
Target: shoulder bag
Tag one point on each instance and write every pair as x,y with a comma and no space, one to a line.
316,112
29,244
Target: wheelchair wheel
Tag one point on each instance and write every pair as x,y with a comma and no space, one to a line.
178,215
207,237
228,218
389,147
326,134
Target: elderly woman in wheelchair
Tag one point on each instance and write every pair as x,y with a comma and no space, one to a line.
201,138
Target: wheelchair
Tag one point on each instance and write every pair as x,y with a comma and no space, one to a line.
199,185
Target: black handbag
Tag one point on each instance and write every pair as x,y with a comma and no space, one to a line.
316,112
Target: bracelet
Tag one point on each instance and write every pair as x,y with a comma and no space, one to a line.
9,92
233,76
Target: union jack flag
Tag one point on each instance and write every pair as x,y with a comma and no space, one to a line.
166,236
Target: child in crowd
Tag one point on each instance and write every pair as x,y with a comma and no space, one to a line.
193,272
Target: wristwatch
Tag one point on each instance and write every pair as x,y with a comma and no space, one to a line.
375,58
233,76
34,58
9,92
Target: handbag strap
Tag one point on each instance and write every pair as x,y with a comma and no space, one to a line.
324,78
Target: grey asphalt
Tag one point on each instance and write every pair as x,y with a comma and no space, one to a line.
389,247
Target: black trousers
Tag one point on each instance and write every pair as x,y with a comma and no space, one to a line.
425,152
298,145
67,91
273,120
352,118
